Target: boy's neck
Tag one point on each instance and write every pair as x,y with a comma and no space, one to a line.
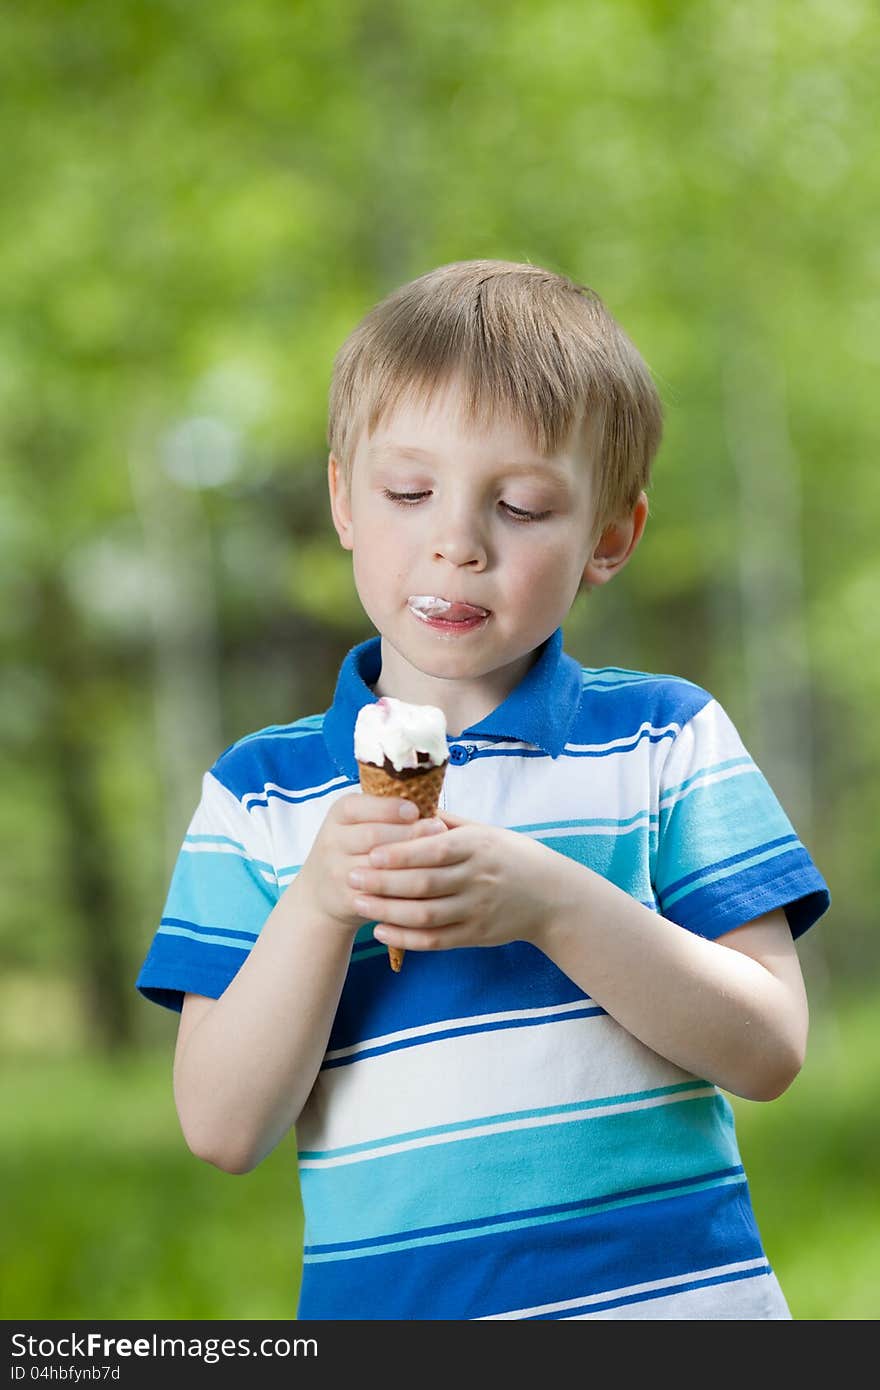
464,702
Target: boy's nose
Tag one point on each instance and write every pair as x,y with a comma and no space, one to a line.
461,543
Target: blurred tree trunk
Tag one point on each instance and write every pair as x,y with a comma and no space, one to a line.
185,632
774,637
72,754
771,579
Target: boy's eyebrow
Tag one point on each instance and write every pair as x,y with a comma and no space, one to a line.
403,451
398,451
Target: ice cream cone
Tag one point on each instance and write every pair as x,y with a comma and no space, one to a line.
421,786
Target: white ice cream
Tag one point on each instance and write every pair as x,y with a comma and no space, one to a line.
427,606
395,730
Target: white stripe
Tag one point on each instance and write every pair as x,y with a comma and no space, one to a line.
492,743
214,849
625,741
506,1071
738,1266
471,1021
204,937
239,853
643,823
297,793
669,799
739,1300
512,790
426,1141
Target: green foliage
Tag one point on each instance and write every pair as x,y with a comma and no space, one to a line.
110,1216
812,1160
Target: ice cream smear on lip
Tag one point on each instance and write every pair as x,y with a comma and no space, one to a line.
394,730
427,606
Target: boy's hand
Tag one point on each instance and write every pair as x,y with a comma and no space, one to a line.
477,885
355,825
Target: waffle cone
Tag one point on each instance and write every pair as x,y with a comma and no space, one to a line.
421,788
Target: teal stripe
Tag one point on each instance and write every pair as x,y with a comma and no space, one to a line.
380,949
715,823
740,867
225,840
204,937
213,840
541,1112
615,678
303,728
636,822
705,772
222,889
465,1179
500,1226
624,859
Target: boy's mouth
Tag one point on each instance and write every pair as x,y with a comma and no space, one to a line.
444,613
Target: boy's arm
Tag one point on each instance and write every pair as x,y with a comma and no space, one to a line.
245,1063
732,1010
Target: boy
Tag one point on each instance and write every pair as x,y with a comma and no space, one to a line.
599,924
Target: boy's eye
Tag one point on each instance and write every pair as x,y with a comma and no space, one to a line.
407,498
520,513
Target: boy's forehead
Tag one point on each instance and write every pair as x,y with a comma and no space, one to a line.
444,412
424,428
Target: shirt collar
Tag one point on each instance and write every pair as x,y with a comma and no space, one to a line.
539,711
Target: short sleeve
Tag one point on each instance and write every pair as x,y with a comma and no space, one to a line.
221,892
726,850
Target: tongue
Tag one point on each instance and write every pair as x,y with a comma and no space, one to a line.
462,613
427,606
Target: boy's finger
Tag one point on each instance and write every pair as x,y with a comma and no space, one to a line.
369,836
415,851
357,808
362,838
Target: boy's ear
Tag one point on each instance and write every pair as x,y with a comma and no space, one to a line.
615,545
340,502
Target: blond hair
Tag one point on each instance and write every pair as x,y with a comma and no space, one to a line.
524,342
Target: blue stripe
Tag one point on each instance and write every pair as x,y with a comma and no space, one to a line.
442,987
401,1044
599,1252
670,888
296,798
531,1213
465,1176
196,930
569,752
648,1296
716,908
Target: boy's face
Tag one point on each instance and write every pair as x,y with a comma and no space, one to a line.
438,510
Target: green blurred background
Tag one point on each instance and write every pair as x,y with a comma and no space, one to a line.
199,201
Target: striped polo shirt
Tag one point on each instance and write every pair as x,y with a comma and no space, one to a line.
483,1140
